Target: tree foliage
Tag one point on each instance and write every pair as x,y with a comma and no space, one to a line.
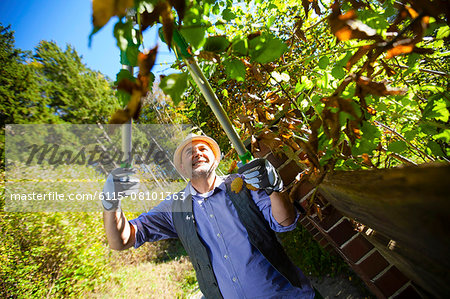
18,87
72,91
50,86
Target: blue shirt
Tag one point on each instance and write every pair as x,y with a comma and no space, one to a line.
241,270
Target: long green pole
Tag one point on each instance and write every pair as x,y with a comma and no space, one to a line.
210,96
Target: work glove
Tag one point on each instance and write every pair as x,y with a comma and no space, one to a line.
119,184
261,174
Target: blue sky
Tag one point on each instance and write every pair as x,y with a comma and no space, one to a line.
69,22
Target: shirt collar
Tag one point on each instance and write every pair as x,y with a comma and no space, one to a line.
218,183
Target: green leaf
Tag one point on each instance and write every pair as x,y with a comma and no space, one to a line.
436,109
370,138
270,21
228,15
428,129
193,31
443,32
123,34
150,82
174,85
235,69
435,149
132,54
217,44
409,135
266,48
216,9
123,97
124,74
444,136
323,62
412,59
397,146
338,72
344,58
225,93
240,47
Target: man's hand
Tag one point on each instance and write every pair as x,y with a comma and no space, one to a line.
262,175
118,185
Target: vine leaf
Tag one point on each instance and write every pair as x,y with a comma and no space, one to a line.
346,27
168,24
162,12
308,3
132,109
192,31
266,48
235,69
237,184
174,85
437,109
228,15
251,187
128,85
103,10
123,34
371,138
397,146
146,61
216,44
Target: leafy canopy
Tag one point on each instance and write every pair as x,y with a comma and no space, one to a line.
333,85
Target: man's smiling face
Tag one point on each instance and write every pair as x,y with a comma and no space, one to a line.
198,159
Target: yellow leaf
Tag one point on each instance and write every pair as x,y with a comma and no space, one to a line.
103,10
398,50
236,185
251,187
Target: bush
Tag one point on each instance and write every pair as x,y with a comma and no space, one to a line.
45,254
309,256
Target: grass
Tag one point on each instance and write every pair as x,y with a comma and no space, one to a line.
171,279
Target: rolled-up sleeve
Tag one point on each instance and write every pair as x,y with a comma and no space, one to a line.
262,200
154,225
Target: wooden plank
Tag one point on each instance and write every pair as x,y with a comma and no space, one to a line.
409,205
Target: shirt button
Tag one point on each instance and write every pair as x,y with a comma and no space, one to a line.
225,256
218,235
211,215
234,279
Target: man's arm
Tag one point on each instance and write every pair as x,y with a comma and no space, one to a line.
119,232
283,210
119,184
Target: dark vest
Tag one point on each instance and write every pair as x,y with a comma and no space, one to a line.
260,235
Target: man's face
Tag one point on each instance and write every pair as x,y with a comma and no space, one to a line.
198,158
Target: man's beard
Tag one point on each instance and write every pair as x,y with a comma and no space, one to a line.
202,172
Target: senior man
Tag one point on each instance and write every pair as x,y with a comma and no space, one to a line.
227,231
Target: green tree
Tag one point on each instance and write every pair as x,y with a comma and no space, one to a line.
19,92
74,92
